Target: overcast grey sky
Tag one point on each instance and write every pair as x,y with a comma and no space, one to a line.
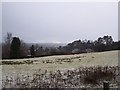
60,21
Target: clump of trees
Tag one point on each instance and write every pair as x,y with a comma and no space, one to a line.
104,43
13,47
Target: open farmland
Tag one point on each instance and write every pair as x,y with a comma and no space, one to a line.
14,68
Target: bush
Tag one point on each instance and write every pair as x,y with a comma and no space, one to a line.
68,79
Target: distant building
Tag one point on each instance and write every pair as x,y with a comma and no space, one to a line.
89,50
75,51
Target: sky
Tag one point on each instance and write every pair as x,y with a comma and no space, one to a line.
59,22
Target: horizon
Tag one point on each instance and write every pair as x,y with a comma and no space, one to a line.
64,43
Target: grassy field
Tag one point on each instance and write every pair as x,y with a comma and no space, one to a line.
62,62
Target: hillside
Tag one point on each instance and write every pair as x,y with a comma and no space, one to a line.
63,62
29,67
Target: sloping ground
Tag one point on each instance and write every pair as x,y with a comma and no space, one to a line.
63,62
23,67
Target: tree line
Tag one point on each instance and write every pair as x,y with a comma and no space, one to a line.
14,48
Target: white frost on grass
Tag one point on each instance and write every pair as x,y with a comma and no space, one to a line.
79,60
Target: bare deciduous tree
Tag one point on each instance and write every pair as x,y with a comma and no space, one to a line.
6,45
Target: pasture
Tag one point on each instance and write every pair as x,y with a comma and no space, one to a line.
61,64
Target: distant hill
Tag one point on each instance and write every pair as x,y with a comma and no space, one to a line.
49,45
52,44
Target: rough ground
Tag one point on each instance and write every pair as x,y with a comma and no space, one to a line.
62,62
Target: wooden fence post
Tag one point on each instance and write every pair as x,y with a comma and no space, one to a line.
105,85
